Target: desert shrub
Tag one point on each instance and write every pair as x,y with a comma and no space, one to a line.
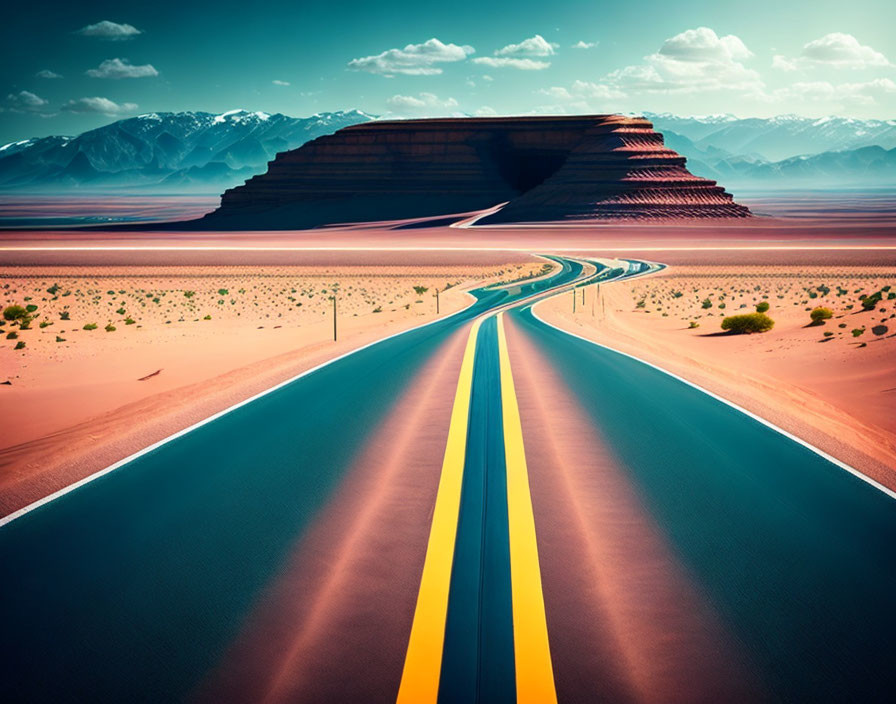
828,333
44,324
870,302
762,307
880,329
747,323
189,294
420,290
857,331
110,328
14,313
90,326
53,290
820,314
721,306
378,309
223,291
25,323
120,311
31,307
129,321
208,317
693,324
64,315
20,345
12,335
706,303
60,339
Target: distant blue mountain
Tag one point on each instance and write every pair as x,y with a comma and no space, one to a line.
192,150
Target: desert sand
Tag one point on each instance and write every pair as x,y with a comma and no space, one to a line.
833,384
173,345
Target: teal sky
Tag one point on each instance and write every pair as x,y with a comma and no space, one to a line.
71,67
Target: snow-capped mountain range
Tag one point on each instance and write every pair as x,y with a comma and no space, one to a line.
207,152
173,150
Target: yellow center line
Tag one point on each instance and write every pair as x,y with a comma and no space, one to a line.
423,661
532,652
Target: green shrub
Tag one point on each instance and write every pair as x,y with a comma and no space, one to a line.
20,345
828,333
706,303
14,313
420,290
60,339
90,326
820,314
12,335
747,323
870,302
44,324
129,321
223,291
762,307
64,315
857,331
121,311
31,307
110,328
378,309
208,317
53,290
693,324
880,330
189,294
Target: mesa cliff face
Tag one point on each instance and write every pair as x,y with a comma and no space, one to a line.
544,168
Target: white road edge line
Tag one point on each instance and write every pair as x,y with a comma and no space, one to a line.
821,453
130,458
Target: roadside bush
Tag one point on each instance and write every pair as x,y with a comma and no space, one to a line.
820,314
747,323
20,345
762,307
90,326
14,313
110,328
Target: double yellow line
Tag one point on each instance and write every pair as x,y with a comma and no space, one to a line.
532,656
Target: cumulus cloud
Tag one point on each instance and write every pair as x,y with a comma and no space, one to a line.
584,45
528,55
24,101
280,83
112,31
98,105
581,96
427,103
485,111
122,68
533,46
413,60
695,60
837,50
46,73
506,62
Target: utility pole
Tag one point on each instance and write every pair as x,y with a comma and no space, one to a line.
334,316
437,301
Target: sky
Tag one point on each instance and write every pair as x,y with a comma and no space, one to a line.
66,68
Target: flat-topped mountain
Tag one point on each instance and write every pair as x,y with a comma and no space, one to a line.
544,168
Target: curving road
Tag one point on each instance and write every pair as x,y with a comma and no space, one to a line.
485,508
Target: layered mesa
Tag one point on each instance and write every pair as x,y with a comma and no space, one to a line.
544,168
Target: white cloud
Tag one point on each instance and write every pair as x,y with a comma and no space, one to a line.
280,83
113,31
413,60
520,55
46,73
122,68
25,101
581,96
841,95
485,111
504,62
837,50
696,60
533,46
427,103
103,106
584,45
